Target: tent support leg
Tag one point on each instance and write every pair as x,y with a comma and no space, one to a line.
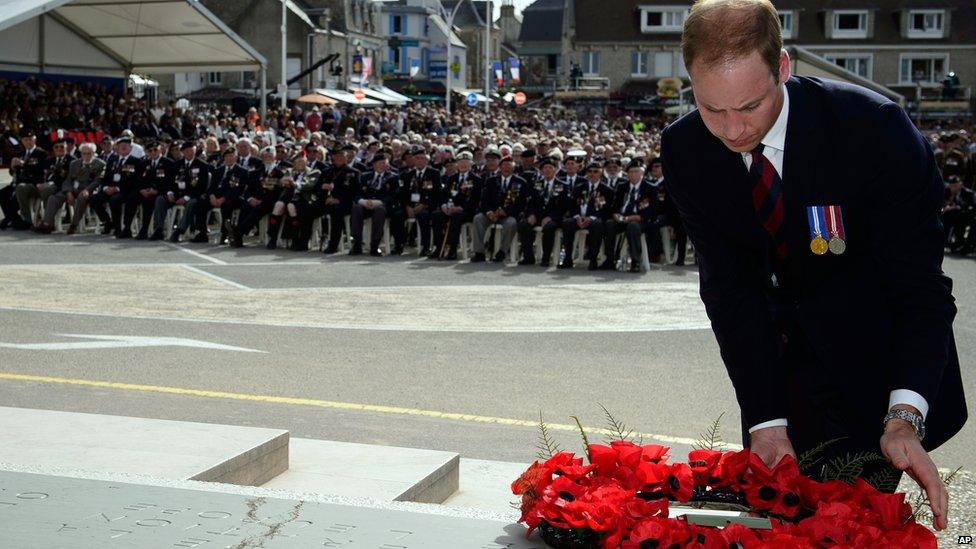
264,93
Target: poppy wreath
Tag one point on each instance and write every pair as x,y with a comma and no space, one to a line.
622,498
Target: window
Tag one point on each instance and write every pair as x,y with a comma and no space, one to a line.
850,24
786,23
926,23
859,64
213,78
638,63
552,64
249,79
663,19
662,64
926,68
396,24
590,63
395,58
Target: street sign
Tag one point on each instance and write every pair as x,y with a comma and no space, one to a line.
519,98
359,94
472,99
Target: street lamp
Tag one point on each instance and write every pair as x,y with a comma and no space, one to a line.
449,19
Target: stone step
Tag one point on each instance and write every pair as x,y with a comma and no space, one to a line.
379,472
486,485
41,510
159,448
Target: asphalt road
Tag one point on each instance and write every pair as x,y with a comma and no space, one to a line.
393,351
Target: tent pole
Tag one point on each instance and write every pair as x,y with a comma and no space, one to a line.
283,87
264,93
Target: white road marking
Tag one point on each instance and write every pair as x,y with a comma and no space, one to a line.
120,342
217,278
33,243
195,253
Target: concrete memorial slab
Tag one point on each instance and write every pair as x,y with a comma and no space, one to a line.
51,511
166,449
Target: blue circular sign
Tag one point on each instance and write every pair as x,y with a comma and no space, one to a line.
472,99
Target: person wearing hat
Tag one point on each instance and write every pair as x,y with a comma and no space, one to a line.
374,197
492,159
156,179
337,189
227,185
551,200
590,209
83,178
55,174
634,207
121,177
27,169
106,148
462,192
297,227
419,194
504,201
612,175
192,182
528,170
259,197
671,216
958,217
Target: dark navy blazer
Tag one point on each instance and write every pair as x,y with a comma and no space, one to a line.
878,317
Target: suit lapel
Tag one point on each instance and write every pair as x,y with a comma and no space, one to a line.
805,144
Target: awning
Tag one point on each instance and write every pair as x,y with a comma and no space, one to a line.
127,36
379,96
316,99
346,97
391,93
464,92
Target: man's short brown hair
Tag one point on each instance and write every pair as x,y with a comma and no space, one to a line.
721,30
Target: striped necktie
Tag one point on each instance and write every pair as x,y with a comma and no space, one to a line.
767,198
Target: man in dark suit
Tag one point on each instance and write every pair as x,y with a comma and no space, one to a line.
462,192
418,195
592,202
824,287
227,184
157,180
552,201
373,199
635,213
84,175
192,182
504,201
121,176
28,174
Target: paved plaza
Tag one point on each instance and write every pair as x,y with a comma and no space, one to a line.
392,351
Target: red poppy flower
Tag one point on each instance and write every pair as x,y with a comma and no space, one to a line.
680,482
656,532
776,490
604,458
703,464
737,536
628,453
652,476
731,469
891,509
701,537
638,509
528,479
654,453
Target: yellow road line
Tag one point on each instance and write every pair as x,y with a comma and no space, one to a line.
351,406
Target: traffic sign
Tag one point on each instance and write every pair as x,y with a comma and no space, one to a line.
472,99
519,98
359,94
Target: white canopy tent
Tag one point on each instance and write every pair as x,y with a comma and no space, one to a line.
464,92
346,97
117,38
379,95
391,93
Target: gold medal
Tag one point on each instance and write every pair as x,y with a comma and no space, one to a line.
818,245
837,246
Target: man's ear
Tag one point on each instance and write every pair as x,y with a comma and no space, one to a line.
784,66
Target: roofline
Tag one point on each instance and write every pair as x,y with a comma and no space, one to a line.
31,13
195,4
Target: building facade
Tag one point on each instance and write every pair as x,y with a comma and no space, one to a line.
421,33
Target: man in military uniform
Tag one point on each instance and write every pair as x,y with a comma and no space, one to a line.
162,172
671,216
418,194
156,178
28,174
611,172
55,174
227,184
83,177
504,200
375,196
247,160
462,192
192,182
259,197
298,227
338,186
121,176
958,216
591,207
633,208
551,201
528,169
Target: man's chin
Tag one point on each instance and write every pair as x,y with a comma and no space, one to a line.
739,147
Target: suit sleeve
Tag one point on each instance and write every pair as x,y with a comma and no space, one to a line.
907,242
734,298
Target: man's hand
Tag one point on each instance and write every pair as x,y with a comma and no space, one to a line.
16,162
331,201
254,202
410,211
771,444
546,221
901,446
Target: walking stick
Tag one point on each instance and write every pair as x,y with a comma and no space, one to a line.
444,240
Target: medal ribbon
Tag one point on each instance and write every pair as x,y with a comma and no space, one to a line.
822,218
835,222
814,214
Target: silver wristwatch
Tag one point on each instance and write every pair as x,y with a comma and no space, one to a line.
915,419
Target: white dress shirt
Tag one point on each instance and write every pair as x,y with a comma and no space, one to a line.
774,150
